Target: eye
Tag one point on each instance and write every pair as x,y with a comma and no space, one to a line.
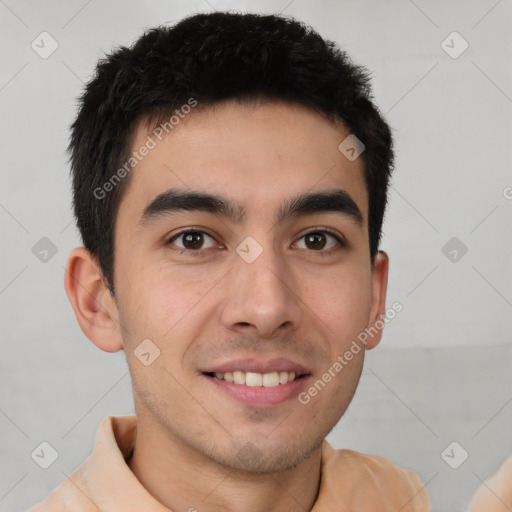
317,240
192,240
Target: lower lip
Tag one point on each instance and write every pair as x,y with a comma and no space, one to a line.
261,395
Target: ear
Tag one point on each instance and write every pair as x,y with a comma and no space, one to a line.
378,307
94,306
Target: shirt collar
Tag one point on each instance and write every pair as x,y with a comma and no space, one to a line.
347,477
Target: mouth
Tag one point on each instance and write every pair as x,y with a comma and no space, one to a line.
253,391
254,379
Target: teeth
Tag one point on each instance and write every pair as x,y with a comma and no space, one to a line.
239,377
253,379
271,379
283,377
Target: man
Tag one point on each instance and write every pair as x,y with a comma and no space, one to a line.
230,177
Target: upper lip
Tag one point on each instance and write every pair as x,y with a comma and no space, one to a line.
278,364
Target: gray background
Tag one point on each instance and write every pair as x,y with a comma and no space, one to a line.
442,370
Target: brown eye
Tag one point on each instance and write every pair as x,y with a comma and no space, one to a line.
317,241
191,240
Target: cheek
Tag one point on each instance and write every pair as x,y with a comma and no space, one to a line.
168,306
177,296
161,297
341,299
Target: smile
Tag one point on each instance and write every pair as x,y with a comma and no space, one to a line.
270,379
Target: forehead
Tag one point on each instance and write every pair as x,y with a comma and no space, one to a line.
258,155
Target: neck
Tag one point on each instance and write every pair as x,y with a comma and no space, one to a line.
183,479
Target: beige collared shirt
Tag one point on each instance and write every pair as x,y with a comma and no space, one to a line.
350,481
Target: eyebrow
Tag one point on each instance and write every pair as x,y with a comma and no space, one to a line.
177,200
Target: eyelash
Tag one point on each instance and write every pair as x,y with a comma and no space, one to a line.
200,252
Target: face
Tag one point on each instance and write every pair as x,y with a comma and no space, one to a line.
267,290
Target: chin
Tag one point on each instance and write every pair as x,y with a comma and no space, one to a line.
265,456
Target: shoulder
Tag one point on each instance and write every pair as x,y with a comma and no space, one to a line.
70,496
114,441
52,502
370,481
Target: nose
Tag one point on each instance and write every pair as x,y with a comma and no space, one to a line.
261,297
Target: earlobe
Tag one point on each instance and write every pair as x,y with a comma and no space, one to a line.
378,308
92,303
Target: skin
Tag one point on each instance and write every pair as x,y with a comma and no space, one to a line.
203,310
